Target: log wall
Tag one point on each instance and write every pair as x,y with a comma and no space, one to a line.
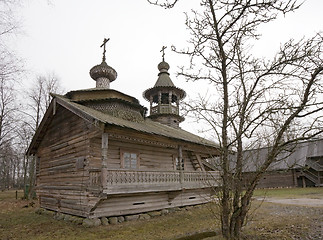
63,155
275,179
151,156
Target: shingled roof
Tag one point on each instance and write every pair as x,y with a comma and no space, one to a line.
296,157
147,126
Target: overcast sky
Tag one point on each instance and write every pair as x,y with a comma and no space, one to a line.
64,36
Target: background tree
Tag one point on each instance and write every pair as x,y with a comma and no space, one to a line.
38,101
254,101
8,22
18,122
39,97
10,70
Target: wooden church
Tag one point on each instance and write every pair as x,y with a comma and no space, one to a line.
99,155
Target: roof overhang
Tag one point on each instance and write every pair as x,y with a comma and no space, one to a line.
101,120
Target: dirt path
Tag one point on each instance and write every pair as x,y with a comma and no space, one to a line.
309,202
309,208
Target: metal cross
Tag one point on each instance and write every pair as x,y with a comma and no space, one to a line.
103,45
163,50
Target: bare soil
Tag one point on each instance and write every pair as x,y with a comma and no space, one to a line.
309,202
303,216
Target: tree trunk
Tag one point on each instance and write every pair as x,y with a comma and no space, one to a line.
25,166
32,178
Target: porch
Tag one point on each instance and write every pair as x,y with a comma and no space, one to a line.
125,181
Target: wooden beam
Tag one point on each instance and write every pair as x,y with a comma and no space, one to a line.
54,106
180,157
105,141
198,157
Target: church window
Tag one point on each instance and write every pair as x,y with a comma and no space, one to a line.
129,160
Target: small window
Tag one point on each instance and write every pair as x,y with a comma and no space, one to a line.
129,160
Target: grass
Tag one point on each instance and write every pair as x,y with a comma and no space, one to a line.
290,193
269,222
19,222
9,195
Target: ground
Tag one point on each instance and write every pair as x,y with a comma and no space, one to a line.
283,214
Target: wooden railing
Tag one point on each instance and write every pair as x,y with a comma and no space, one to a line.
315,165
95,180
164,108
120,181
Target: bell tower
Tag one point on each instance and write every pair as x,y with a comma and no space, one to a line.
164,98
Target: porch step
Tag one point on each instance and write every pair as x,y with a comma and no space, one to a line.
196,161
313,177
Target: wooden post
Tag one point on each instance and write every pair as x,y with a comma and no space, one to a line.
177,105
180,159
104,171
54,106
304,183
318,178
159,102
294,177
151,103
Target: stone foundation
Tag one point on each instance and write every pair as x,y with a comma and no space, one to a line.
93,222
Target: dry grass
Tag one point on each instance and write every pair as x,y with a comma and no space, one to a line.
290,193
18,222
271,221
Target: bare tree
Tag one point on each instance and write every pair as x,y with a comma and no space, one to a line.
39,100
10,70
8,22
6,166
254,101
19,128
39,97
24,135
8,118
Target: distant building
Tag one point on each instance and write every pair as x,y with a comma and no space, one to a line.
300,166
99,155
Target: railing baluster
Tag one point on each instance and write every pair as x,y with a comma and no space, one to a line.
156,179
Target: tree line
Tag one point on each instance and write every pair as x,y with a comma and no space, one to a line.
21,107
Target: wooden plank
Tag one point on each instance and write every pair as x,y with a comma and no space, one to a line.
136,203
198,157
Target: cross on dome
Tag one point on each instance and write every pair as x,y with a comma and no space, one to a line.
103,45
163,50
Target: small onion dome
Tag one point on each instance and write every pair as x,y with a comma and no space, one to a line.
163,76
103,70
163,66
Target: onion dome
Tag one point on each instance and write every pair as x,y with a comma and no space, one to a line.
163,66
103,74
